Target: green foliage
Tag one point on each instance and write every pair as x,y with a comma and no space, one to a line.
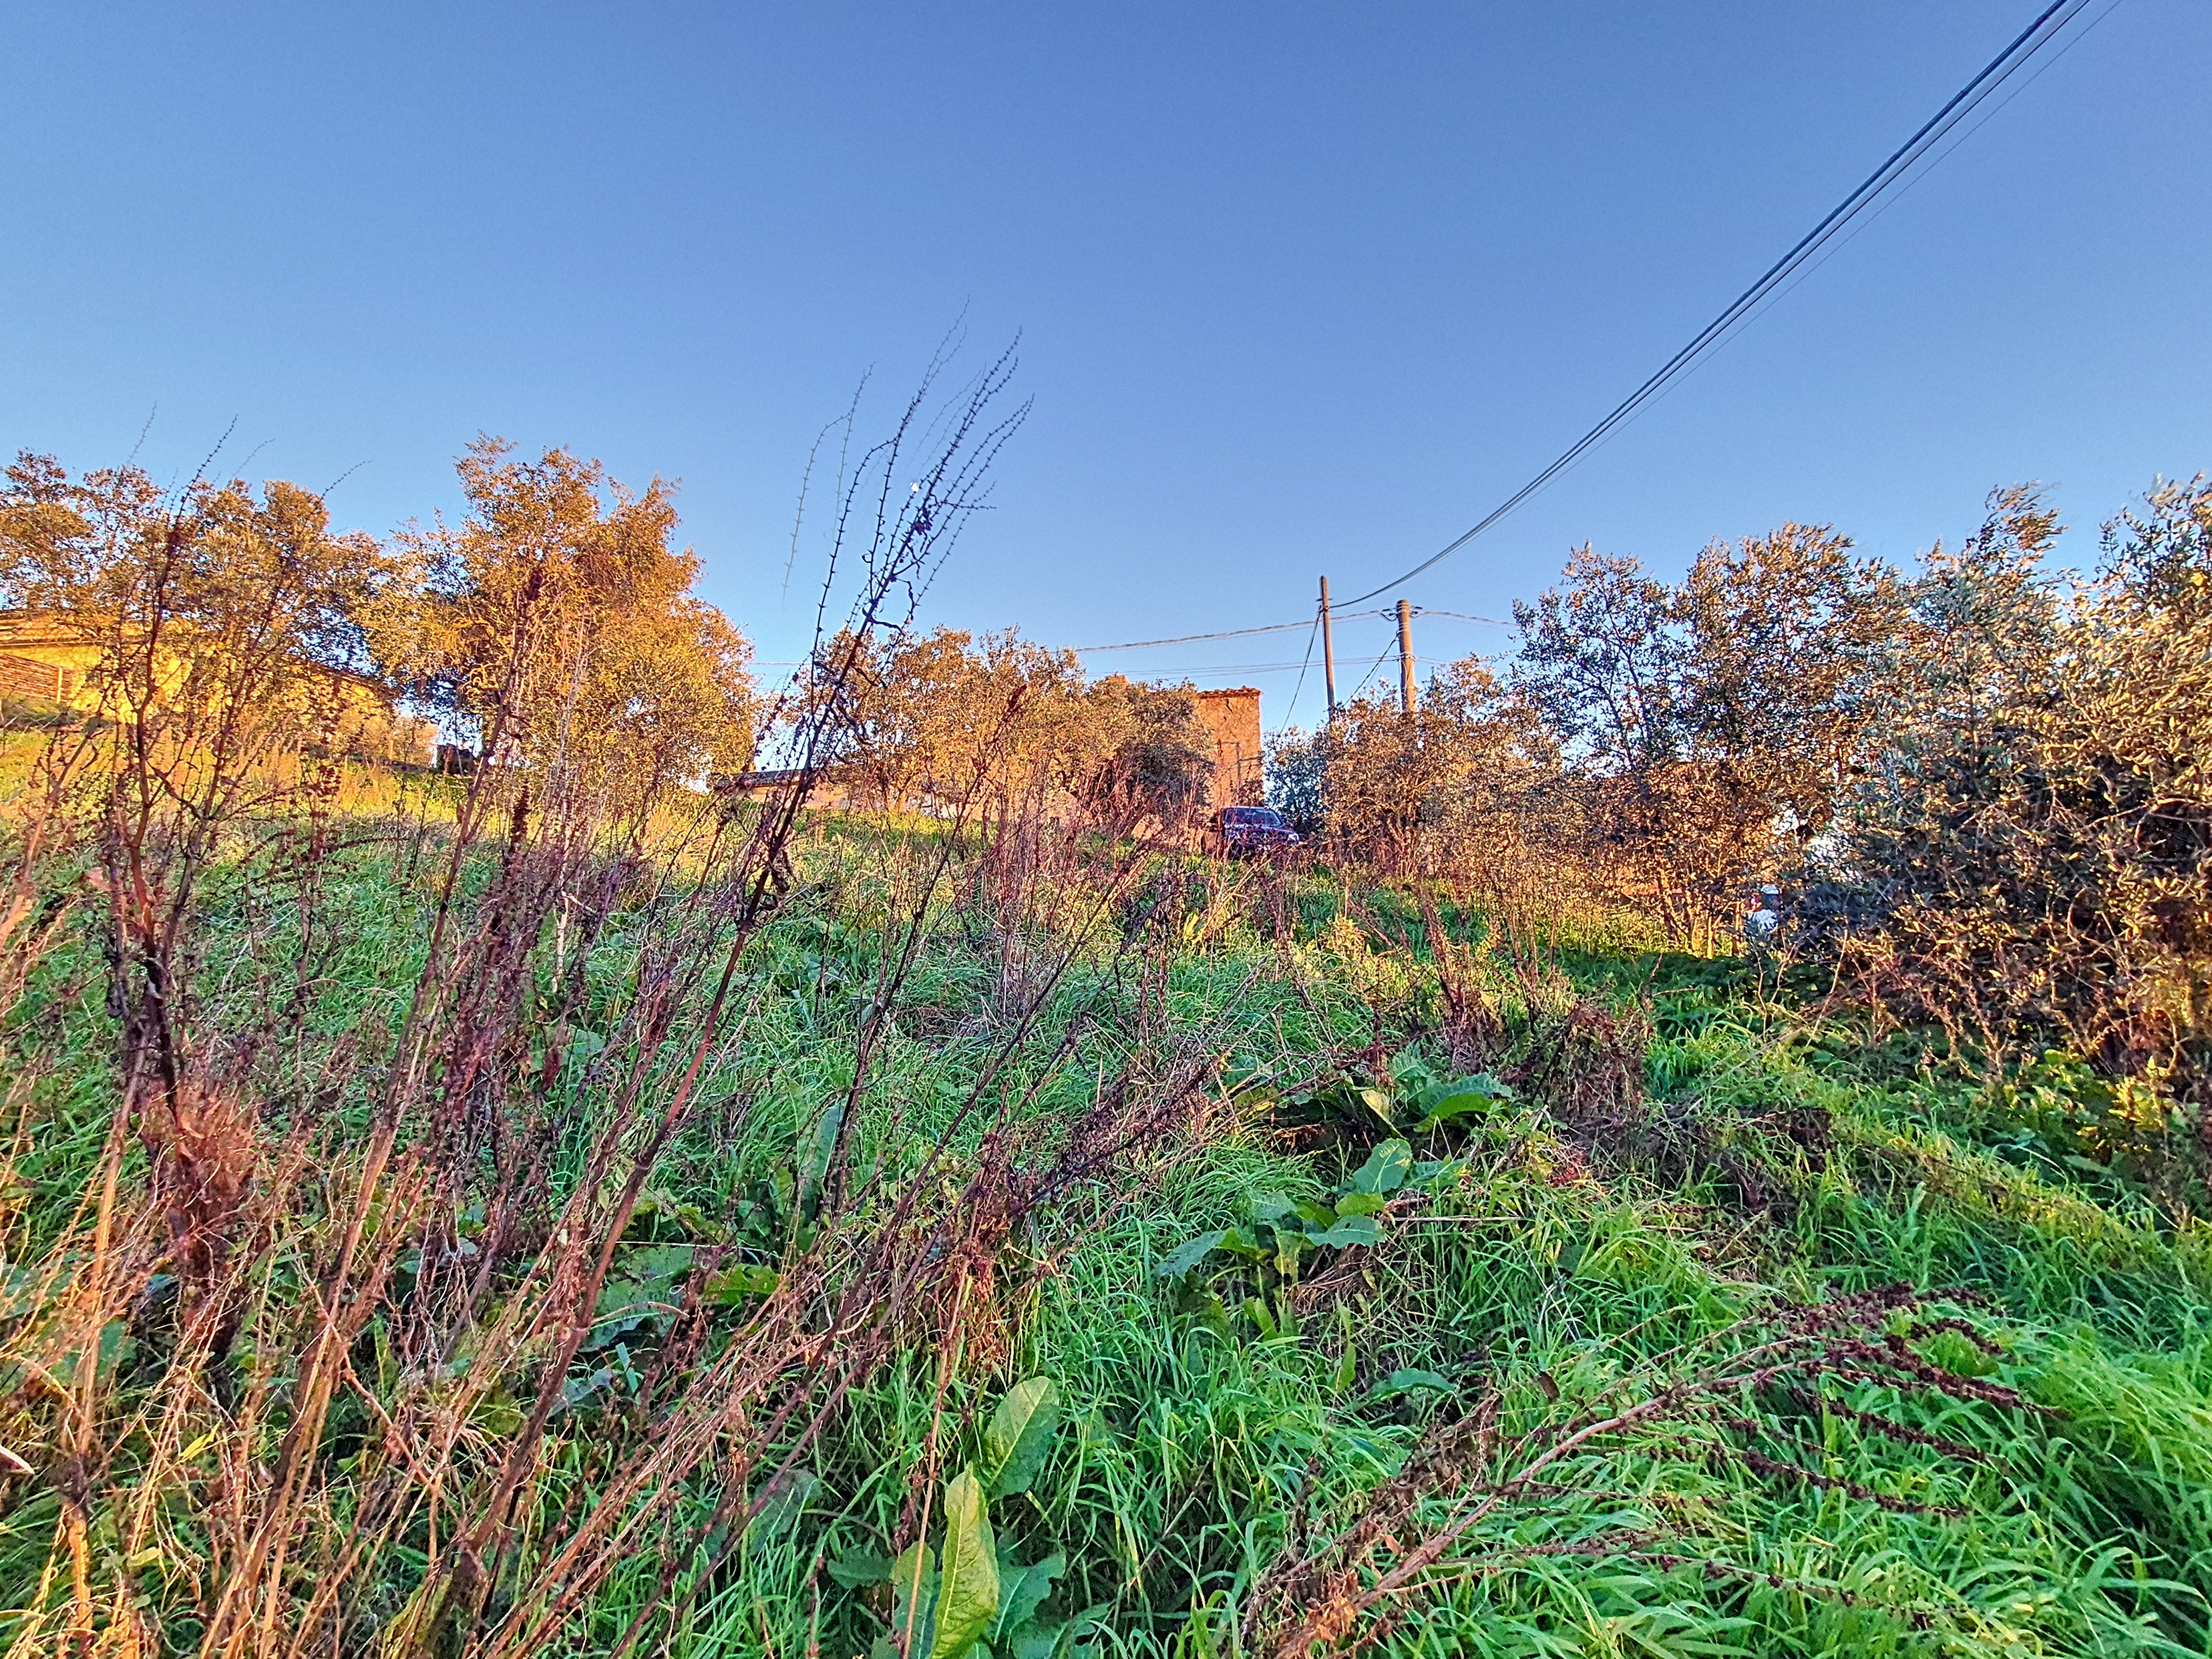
1019,1436
2026,861
1459,1240
1419,1103
1268,1253
970,1587
967,1586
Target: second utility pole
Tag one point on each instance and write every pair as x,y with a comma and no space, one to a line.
1406,655
1327,650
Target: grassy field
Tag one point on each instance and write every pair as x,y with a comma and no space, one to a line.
1412,1289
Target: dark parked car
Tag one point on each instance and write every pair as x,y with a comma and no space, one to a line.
1245,829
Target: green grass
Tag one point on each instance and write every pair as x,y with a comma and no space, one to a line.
1550,1265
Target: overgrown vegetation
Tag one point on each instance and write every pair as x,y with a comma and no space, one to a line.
1975,790
561,1208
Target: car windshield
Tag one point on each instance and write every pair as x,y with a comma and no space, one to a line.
1260,817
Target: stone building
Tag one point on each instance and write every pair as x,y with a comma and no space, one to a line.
45,659
1231,719
42,661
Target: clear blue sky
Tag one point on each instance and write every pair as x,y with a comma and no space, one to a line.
1302,288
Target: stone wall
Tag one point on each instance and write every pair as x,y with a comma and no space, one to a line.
27,677
1231,719
42,657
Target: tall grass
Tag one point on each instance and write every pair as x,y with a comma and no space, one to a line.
628,1247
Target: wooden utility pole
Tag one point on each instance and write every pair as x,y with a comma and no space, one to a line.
1327,650
1406,655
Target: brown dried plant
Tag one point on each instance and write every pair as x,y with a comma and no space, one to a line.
1513,1480
356,1276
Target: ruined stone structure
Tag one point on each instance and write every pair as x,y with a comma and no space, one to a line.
44,657
1232,718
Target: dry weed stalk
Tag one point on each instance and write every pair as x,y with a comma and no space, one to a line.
356,1281
1496,1485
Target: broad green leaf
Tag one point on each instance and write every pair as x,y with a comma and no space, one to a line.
1245,1244
1407,1379
1379,1104
1061,1639
1482,1087
1453,1106
658,1210
1023,1591
1019,1434
914,1595
1271,1207
498,1413
968,1585
1288,1245
1361,1204
644,1273
861,1568
641,1288
1386,1169
1192,1294
1189,1255
1313,1213
1353,1229
735,1284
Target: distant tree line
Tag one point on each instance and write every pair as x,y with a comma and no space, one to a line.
553,629
939,718
1983,784
1979,781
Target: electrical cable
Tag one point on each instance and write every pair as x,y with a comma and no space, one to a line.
1951,138
1779,278
2000,69
1312,626
1308,662
1283,627
1388,652
1187,638
1240,668
1950,144
1456,616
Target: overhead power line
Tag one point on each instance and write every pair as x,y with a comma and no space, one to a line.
1188,639
2048,24
1388,651
1281,628
1456,616
1312,634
